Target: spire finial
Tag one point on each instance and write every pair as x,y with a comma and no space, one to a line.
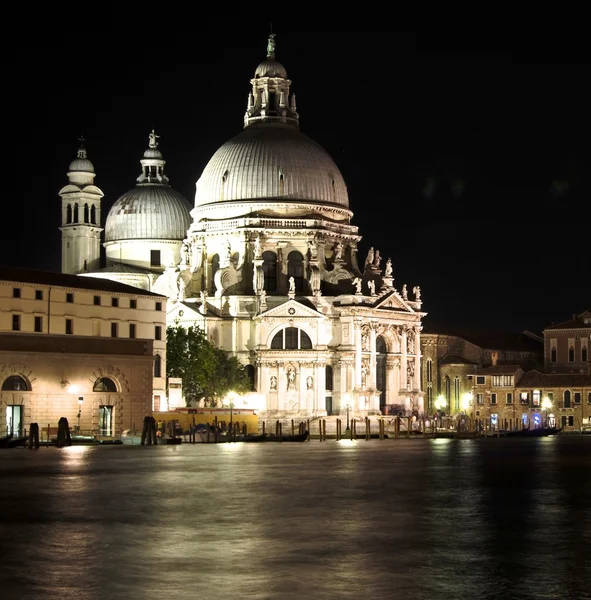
153,137
81,150
271,46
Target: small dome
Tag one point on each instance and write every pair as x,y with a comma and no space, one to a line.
271,68
81,165
148,211
153,153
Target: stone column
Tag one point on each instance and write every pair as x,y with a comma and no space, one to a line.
372,360
357,326
417,381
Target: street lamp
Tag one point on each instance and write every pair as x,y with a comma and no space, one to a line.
546,404
347,428
80,401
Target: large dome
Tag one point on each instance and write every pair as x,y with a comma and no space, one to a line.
148,211
271,161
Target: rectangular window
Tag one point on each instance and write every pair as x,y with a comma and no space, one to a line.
69,326
480,398
154,258
577,397
16,322
509,398
589,397
158,332
133,303
114,329
38,294
70,298
480,380
38,324
493,398
536,397
16,292
114,301
97,300
158,305
132,330
524,397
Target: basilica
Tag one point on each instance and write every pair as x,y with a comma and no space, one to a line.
265,261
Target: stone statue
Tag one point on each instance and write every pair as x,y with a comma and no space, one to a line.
291,284
417,292
273,383
291,378
228,252
271,46
338,251
388,271
182,284
372,287
185,250
377,260
357,283
313,249
369,259
203,307
257,247
152,140
404,292
309,382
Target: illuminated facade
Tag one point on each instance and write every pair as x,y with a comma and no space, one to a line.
62,336
268,267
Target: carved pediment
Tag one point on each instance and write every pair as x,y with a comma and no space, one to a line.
393,301
291,309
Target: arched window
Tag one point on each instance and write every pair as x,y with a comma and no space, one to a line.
15,383
86,213
566,398
291,338
69,214
329,377
75,213
447,391
250,373
270,271
571,354
584,354
457,390
104,384
157,366
295,269
93,214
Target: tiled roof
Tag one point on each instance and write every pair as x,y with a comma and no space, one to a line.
455,359
576,322
499,370
70,281
536,379
493,340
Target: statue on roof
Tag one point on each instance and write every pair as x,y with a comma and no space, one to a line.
271,46
152,140
388,268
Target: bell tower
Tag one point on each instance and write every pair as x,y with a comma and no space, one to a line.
81,217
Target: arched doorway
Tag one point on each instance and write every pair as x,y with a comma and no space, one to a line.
15,410
105,422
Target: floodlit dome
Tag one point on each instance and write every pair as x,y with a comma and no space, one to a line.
271,161
271,68
149,211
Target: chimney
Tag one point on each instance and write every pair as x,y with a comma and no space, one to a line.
494,357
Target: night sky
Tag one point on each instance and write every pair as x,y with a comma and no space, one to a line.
466,161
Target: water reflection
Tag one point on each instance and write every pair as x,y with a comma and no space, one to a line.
408,519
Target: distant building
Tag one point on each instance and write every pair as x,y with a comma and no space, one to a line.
63,337
567,345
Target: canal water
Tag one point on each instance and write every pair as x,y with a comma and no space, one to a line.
400,519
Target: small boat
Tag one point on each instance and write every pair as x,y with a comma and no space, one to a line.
535,432
133,437
466,435
298,437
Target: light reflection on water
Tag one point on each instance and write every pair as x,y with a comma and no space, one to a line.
408,519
